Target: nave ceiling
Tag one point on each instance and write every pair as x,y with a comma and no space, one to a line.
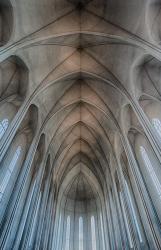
87,67
85,63
83,69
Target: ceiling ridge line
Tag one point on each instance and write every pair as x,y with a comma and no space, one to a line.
4,50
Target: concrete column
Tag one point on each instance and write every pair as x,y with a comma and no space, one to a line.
105,225
123,233
12,129
144,203
33,208
52,221
20,194
109,223
131,224
112,220
35,223
148,129
25,215
45,197
48,220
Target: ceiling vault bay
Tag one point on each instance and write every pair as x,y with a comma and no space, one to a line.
92,66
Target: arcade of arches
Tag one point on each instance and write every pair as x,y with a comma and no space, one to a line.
80,124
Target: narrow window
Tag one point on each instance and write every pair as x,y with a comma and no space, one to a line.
157,125
9,171
67,244
133,212
80,233
93,230
102,232
3,127
150,170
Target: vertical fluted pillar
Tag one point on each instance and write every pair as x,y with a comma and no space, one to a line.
145,205
123,233
52,221
12,129
114,244
25,214
46,192
48,219
126,207
27,236
148,129
18,200
109,221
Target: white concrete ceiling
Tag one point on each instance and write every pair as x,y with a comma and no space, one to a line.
86,61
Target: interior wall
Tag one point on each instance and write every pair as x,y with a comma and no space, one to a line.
80,125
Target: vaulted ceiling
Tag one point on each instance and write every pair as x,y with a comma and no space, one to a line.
86,60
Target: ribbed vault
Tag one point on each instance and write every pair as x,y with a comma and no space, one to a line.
80,86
